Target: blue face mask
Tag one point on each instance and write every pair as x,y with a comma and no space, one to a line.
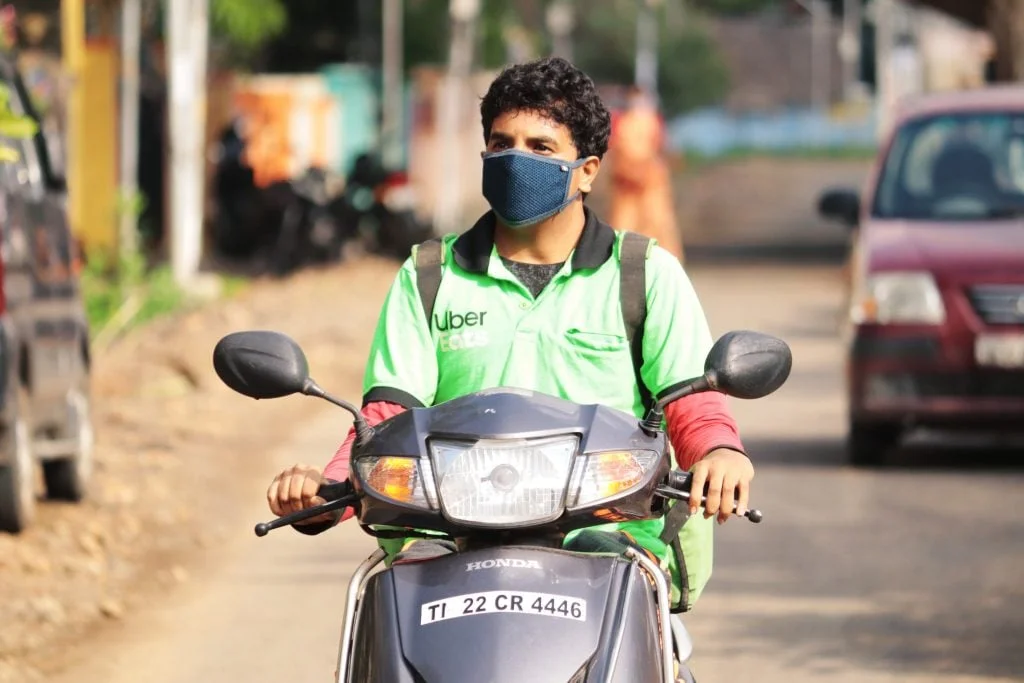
523,188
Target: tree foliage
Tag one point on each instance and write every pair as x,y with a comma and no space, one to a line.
691,72
247,24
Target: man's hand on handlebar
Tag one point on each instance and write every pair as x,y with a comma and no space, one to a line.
295,489
727,474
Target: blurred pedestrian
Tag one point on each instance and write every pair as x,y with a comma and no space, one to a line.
641,177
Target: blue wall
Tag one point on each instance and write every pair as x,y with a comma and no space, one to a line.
358,90
716,131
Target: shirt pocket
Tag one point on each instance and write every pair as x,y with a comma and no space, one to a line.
595,343
595,367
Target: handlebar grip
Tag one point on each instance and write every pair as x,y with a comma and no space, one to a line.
333,490
679,480
682,481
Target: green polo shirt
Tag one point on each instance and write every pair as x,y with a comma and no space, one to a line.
488,331
570,341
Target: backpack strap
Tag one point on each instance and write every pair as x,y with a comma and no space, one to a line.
428,260
633,300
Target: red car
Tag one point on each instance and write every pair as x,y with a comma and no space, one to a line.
936,272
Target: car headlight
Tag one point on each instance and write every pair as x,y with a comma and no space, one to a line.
600,476
401,479
900,297
503,482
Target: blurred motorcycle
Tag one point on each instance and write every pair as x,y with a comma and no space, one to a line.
312,229
380,207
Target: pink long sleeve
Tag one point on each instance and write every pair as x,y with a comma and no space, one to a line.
698,424
374,413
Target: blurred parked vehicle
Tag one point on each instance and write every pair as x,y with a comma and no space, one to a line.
314,225
381,205
309,219
936,324
44,334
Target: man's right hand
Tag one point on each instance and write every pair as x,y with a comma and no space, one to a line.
295,489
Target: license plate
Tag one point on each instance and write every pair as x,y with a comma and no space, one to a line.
1000,350
504,602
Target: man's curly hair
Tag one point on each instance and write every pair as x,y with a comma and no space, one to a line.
559,91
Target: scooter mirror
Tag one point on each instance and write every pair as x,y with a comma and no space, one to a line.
748,364
261,364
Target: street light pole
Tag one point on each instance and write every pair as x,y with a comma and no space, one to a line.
393,105
850,47
820,52
560,21
646,65
883,18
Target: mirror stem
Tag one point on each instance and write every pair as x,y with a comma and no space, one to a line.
363,430
652,423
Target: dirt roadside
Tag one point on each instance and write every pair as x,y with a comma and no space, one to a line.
175,448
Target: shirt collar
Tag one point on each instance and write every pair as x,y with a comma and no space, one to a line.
472,249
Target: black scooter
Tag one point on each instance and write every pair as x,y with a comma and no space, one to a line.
504,474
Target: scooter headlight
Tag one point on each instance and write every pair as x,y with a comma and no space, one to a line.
503,482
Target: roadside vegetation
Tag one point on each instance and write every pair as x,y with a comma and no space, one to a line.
124,293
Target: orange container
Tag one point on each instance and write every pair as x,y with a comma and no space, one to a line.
291,124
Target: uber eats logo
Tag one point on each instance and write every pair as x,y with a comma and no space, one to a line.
461,330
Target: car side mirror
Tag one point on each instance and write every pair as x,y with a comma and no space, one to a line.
840,205
261,364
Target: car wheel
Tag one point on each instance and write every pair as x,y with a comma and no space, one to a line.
868,445
67,478
17,477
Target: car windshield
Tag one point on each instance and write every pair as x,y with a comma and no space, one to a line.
955,167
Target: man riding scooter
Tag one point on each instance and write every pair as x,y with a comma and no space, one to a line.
511,303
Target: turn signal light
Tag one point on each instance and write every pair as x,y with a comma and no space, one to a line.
604,475
397,478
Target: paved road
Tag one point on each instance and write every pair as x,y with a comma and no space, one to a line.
913,574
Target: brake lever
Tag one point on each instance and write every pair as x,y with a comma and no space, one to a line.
264,528
753,515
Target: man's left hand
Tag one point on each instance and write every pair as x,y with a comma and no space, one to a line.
727,474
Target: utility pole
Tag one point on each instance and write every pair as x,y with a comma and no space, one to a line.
560,21
850,47
188,32
823,54
883,18
463,14
821,48
393,105
131,27
646,66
